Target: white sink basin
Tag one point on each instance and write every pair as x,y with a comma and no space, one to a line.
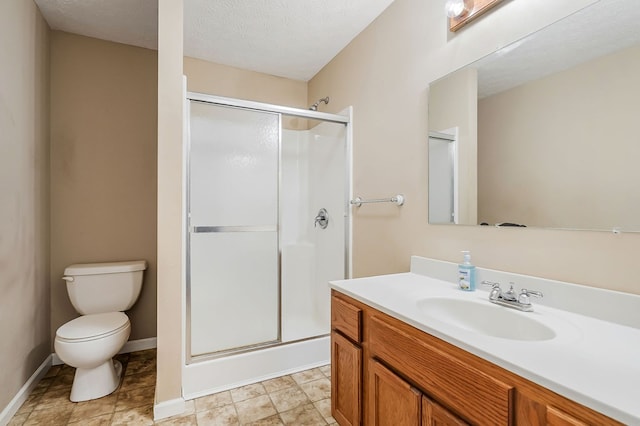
485,318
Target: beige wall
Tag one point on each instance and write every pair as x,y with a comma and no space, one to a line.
384,73
24,195
103,165
565,147
221,80
170,202
453,102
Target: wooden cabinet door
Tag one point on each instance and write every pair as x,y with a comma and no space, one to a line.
346,380
556,417
434,414
443,374
392,401
544,411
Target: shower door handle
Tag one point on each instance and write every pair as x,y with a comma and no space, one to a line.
322,219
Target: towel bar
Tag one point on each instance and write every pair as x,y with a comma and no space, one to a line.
398,199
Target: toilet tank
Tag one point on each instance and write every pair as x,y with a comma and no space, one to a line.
96,288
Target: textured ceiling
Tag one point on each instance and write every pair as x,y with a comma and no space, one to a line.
132,22
288,38
599,29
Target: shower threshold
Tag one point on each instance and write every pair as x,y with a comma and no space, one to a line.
249,348
223,372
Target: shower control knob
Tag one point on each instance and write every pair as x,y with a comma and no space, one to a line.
322,219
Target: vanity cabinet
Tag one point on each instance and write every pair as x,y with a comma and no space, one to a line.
434,414
468,391
346,362
346,382
556,417
386,372
393,401
533,412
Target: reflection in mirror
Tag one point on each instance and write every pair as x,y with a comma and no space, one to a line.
443,177
453,105
547,134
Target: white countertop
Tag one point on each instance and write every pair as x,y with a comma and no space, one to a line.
591,361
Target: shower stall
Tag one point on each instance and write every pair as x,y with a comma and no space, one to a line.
267,227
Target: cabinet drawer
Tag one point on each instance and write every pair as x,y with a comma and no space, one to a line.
469,392
346,318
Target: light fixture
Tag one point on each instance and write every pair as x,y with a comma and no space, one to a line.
462,12
458,8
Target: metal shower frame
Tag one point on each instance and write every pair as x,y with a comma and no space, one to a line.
267,108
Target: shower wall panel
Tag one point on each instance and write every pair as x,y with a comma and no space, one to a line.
328,178
313,177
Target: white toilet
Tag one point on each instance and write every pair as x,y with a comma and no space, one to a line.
99,292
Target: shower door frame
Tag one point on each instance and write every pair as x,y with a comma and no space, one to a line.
282,111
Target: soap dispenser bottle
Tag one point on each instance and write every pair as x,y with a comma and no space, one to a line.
466,273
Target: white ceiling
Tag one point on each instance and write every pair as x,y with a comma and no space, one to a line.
287,38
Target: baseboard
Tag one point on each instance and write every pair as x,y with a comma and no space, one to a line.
169,408
53,359
22,395
130,346
139,345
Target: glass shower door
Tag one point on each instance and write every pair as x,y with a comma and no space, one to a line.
233,228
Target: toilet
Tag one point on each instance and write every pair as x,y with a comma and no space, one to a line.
100,292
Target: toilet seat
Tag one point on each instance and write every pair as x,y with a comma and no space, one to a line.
92,327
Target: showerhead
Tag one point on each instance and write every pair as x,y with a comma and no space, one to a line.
314,107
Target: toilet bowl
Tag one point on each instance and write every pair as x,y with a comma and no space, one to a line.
89,343
100,292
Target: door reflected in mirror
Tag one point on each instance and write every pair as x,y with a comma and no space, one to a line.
443,177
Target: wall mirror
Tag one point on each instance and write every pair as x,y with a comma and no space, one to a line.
544,132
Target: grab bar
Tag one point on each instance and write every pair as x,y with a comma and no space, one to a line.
398,199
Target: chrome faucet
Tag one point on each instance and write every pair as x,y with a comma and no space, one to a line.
509,298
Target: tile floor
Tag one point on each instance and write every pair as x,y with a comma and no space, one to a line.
298,399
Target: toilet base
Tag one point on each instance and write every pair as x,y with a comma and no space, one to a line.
93,383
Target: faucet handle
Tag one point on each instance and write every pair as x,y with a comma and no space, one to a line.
523,298
491,283
496,291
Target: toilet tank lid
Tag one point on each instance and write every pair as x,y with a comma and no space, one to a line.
105,268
